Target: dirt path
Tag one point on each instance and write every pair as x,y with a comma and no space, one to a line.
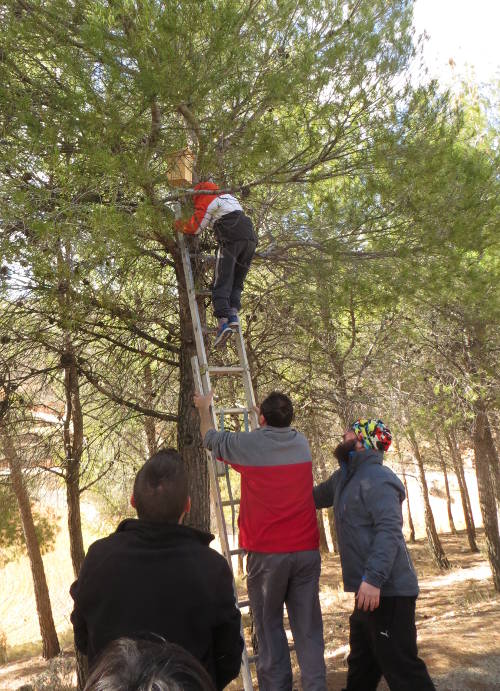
458,622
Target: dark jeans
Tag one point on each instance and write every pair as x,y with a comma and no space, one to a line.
384,642
290,578
233,262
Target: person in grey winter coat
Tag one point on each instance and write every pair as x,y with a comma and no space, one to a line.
366,497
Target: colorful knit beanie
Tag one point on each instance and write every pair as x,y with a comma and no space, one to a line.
373,434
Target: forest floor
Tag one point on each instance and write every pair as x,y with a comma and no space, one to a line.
458,620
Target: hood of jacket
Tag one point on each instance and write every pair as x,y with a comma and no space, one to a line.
163,532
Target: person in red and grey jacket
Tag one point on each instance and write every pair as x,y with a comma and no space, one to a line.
237,242
279,531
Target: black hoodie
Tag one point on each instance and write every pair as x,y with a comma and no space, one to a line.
163,579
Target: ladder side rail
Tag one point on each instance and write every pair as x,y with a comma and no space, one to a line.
195,315
221,524
247,380
212,469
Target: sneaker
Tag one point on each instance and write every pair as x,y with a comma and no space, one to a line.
233,322
223,333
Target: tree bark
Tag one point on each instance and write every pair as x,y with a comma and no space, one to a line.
405,483
447,487
410,519
323,542
149,422
188,427
486,491
333,530
50,643
493,458
73,449
437,550
464,493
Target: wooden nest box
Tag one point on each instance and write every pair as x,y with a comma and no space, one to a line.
180,168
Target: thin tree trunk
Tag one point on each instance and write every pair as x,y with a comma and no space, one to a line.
493,458
437,550
464,494
149,422
73,415
333,530
410,519
321,474
447,487
73,449
405,483
188,427
50,643
486,492
323,543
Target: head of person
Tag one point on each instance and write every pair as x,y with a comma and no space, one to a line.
364,435
147,665
161,492
276,410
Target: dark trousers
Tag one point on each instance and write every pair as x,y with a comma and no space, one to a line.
233,262
290,578
384,642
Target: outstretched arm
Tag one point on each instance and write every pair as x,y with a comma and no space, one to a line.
324,493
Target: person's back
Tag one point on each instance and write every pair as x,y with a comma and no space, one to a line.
154,575
277,512
279,531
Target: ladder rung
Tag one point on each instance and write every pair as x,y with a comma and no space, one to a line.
231,502
232,411
226,370
243,603
233,552
204,293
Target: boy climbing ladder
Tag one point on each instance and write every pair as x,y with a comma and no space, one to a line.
236,240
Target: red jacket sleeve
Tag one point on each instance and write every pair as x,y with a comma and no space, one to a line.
201,202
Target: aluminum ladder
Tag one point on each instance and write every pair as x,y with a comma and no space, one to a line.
202,372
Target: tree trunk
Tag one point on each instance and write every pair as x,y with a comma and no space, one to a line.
493,458
333,530
149,422
73,415
405,483
73,449
321,474
486,492
447,487
323,543
464,494
50,643
188,427
410,519
432,536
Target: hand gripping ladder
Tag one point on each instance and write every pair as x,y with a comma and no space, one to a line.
201,374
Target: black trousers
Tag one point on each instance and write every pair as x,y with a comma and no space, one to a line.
384,642
233,262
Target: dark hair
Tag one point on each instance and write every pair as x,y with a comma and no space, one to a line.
140,665
161,488
277,409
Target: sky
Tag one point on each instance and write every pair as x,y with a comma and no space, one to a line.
464,31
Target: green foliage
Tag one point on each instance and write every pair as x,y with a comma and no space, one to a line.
11,534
